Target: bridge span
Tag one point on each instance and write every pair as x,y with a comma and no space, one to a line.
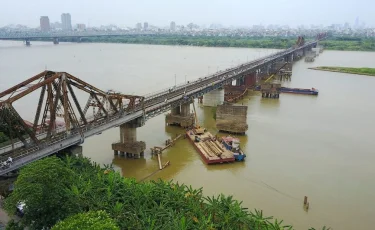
47,135
27,37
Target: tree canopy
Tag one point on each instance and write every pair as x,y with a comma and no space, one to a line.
98,220
76,192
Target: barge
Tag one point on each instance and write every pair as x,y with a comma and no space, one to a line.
209,148
311,91
233,144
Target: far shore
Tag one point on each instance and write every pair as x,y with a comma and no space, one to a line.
359,71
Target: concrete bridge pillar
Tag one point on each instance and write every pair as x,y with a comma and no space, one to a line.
176,110
180,116
55,41
128,140
213,98
27,42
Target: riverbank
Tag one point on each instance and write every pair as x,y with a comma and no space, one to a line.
279,42
359,71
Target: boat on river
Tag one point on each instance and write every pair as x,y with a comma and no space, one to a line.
233,144
311,91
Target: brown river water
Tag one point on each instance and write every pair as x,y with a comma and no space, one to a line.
316,146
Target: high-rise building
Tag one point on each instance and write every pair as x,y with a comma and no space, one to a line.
44,24
66,21
173,26
145,26
138,26
81,26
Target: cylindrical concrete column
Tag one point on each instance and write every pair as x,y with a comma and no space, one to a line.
185,109
176,110
128,133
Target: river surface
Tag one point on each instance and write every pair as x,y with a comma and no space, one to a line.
317,146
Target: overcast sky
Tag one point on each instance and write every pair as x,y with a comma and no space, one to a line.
201,12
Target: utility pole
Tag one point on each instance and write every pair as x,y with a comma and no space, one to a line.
175,80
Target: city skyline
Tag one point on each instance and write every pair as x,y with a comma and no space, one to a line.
161,13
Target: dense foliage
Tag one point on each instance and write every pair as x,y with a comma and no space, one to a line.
3,137
278,43
54,190
364,71
331,43
98,220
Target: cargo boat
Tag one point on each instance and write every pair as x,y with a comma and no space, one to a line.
233,145
210,149
311,91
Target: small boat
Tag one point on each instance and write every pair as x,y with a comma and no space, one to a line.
233,145
311,91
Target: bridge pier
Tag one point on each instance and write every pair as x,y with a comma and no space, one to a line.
213,98
56,41
128,140
27,42
181,116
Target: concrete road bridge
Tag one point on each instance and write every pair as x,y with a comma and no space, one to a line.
55,37
62,121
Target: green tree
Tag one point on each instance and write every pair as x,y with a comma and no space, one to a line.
3,137
98,220
44,188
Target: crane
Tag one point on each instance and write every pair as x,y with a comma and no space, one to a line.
198,129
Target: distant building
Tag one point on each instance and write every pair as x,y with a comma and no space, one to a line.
66,21
138,26
81,26
44,24
145,26
56,25
173,26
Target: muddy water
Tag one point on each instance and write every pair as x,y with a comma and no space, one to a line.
321,147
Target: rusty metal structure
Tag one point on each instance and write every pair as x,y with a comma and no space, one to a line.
58,110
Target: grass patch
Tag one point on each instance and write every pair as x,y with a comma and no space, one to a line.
361,71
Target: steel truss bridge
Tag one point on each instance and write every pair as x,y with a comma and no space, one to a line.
58,100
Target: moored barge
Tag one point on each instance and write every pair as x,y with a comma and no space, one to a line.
311,91
210,149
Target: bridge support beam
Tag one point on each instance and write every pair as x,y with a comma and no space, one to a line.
181,116
56,41
213,98
128,140
27,42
